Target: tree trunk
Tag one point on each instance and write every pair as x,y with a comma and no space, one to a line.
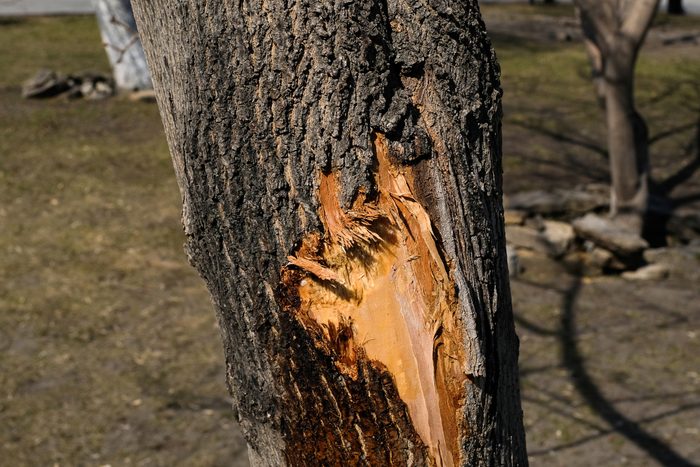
340,168
121,40
627,139
675,7
613,33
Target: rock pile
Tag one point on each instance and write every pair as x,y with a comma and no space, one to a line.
48,83
571,226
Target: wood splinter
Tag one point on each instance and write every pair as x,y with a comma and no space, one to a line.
403,300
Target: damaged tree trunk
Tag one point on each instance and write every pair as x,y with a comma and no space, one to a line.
614,31
340,168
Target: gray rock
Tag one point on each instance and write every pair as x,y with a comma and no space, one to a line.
87,88
610,235
658,255
684,259
45,83
514,217
600,257
526,237
592,262
101,90
652,272
535,222
92,86
556,201
539,240
560,235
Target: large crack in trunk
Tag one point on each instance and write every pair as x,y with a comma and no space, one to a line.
378,286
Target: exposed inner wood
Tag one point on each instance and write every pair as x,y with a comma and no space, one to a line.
378,287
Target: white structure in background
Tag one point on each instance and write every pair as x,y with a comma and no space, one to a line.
122,43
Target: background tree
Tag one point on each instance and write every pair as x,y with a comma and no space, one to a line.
340,168
614,30
121,39
675,7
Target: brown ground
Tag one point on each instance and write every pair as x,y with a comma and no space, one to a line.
109,348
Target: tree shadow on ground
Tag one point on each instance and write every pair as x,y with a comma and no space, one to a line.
685,172
662,202
572,359
567,136
575,363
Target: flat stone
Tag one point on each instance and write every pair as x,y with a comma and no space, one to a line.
45,83
683,260
532,239
658,255
606,233
560,235
514,217
556,201
672,255
651,272
592,262
94,86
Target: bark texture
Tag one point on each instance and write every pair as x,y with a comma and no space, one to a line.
121,40
340,169
614,31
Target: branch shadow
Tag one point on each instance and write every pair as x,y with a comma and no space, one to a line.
662,205
660,190
573,360
565,136
684,173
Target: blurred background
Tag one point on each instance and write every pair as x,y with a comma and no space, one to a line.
109,349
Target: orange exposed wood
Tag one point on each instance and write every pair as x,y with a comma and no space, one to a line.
378,287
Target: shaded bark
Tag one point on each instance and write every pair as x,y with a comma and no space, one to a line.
122,44
613,34
340,169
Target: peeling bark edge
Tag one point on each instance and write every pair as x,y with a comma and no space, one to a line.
257,98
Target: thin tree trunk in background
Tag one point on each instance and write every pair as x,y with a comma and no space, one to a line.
675,7
613,33
121,40
340,169
627,139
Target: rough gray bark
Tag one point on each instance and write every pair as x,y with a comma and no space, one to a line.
314,141
614,30
121,40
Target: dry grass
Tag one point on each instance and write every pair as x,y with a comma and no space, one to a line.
109,345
